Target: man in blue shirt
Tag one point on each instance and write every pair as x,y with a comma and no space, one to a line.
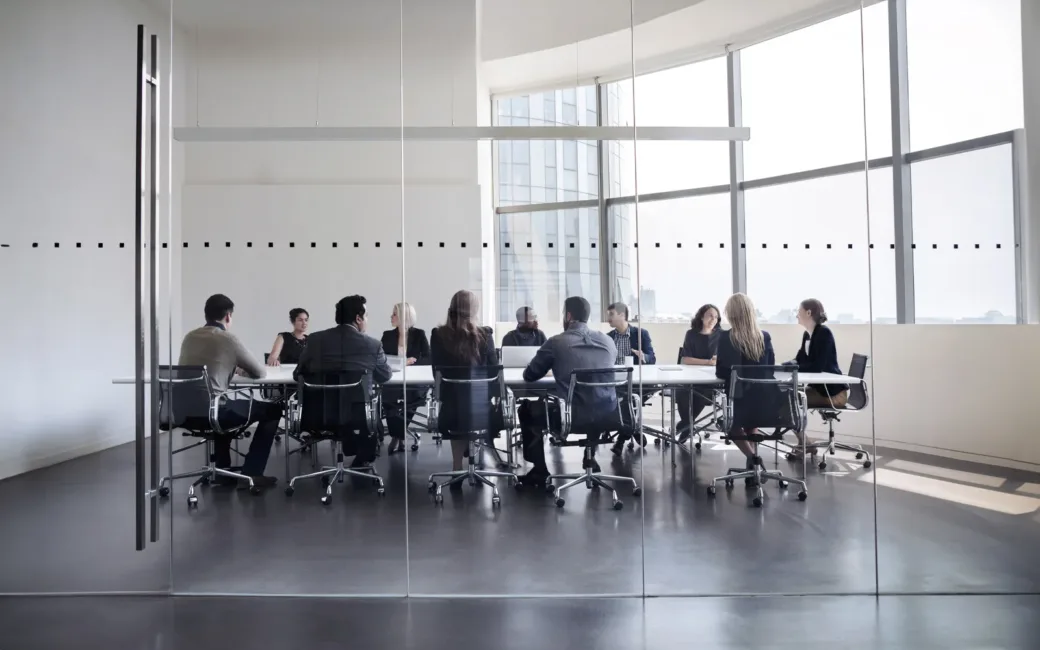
576,348
630,341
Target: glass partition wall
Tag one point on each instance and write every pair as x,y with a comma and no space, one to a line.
404,153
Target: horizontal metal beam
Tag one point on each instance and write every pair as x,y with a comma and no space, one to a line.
544,207
670,195
822,172
984,142
454,133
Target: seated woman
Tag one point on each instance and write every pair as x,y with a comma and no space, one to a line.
408,342
818,353
699,349
744,344
461,342
288,346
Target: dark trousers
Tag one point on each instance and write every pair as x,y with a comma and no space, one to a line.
237,413
700,398
532,414
398,413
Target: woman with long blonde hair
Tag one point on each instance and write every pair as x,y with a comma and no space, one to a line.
744,344
409,342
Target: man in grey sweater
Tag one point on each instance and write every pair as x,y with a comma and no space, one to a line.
213,346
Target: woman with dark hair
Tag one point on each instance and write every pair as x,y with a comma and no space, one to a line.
818,353
699,349
288,346
460,342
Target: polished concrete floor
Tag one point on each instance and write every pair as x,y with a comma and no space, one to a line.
804,623
69,528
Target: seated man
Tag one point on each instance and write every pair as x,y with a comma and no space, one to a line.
213,346
630,341
576,348
526,333
343,348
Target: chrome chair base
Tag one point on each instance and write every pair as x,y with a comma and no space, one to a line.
760,474
203,476
472,474
336,474
828,446
592,480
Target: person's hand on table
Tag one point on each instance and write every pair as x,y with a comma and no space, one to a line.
240,372
714,360
412,361
273,361
638,354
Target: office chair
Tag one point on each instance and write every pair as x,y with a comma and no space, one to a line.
592,427
403,408
858,400
471,403
187,402
758,400
335,406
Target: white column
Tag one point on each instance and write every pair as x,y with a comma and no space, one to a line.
1029,192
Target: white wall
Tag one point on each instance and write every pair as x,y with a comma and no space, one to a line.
963,391
341,192
67,176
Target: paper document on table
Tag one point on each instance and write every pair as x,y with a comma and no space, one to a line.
669,368
396,362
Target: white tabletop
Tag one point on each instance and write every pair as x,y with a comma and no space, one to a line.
648,375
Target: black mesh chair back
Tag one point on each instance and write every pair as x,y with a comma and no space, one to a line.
336,403
858,397
468,399
758,399
184,398
678,358
616,411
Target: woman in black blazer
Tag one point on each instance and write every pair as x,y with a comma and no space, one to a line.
818,353
410,343
461,342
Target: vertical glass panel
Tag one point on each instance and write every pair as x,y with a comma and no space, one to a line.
803,95
958,92
68,492
964,233
276,227
808,239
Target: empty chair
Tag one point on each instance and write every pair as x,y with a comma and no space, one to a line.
858,400
757,400
472,404
342,407
594,426
187,402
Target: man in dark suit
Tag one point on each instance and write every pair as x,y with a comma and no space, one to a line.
346,348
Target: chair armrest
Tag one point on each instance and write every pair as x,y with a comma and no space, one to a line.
292,414
218,401
509,411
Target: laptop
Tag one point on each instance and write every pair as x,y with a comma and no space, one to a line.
517,357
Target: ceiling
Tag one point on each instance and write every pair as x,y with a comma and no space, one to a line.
509,27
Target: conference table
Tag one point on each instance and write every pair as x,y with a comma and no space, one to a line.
658,377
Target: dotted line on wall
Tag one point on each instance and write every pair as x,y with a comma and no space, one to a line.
548,244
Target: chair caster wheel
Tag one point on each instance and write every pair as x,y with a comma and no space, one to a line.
517,485
789,456
431,486
782,484
415,447
325,500
707,435
254,490
164,491
550,490
866,465
831,452
193,502
631,446
289,491
711,490
757,502
381,492
204,480
657,442
859,456
618,505
697,446
823,464
729,484
637,491
802,496
277,438
496,502
728,441
438,499
559,502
